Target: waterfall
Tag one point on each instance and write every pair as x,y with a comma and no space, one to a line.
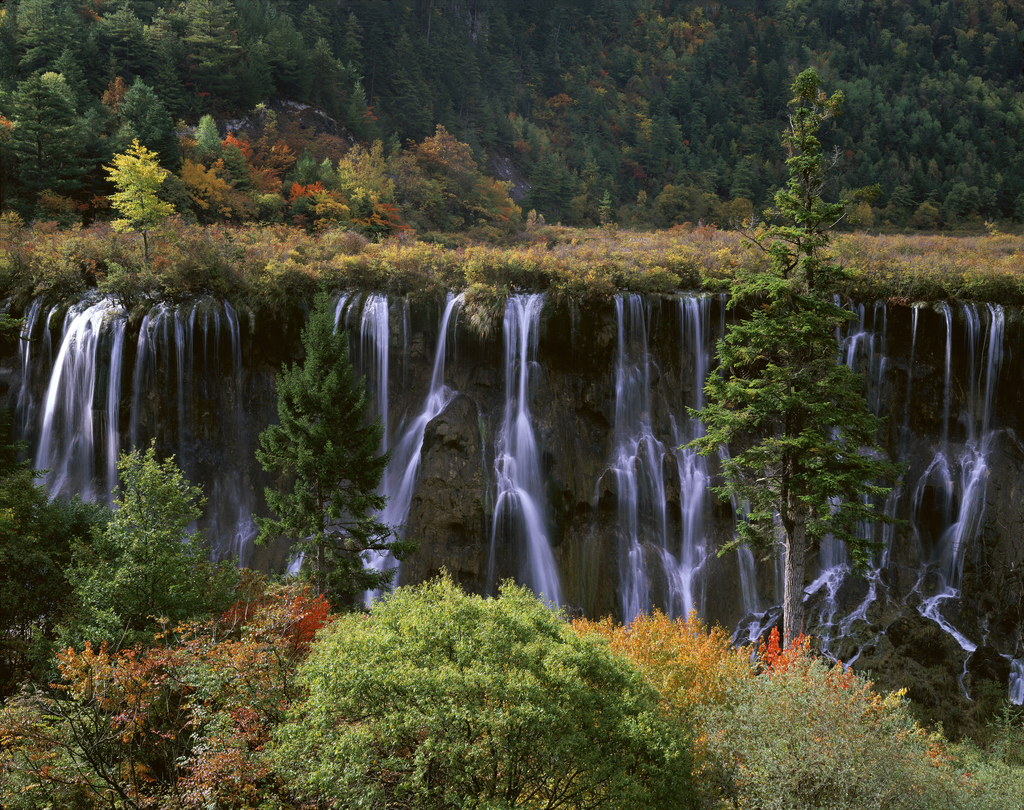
639,455
186,380
1017,682
233,522
24,406
74,410
695,316
400,475
637,459
79,427
966,473
399,479
374,341
519,517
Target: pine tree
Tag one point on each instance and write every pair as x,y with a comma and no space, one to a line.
144,117
326,453
811,457
45,141
213,54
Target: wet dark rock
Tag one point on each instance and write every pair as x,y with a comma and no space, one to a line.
447,516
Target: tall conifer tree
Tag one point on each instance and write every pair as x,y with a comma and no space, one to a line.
811,458
325,450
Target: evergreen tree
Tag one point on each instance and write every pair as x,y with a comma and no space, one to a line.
70,68
43,33
208,138
213,53
145,118
326,452
120,36
812,458
45,140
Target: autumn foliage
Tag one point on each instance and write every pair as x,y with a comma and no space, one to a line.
690,665
181,723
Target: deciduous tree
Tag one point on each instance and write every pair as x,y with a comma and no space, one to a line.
443,700
137,175
147,565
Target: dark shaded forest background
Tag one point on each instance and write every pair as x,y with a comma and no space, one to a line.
650,113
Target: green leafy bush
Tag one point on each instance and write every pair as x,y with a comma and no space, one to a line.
443,700
805,734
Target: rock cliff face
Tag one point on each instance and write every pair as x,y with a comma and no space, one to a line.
550,454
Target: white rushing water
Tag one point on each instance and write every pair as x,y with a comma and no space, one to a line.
82,402
400,476
961,474
519,509
650,544
187,390
1017,682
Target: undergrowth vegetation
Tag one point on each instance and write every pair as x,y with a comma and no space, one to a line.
268,269
435,698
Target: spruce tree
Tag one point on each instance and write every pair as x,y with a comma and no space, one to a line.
325,450
809,454
45,140
144,117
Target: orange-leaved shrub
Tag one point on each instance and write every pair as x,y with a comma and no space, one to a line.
689,664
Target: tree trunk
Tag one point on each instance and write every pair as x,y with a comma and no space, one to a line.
796,554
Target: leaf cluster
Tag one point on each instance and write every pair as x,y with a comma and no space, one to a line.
147,566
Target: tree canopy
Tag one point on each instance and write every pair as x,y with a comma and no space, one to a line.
670,110
148,566
441,699
137,175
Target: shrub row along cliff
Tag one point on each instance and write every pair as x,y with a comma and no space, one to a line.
272,269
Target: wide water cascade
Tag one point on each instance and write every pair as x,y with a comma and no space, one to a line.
558,444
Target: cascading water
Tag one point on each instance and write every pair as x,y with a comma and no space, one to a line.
637,464
183,385
74,411
963,502
863,350
400,476
374,340
79,425
1017,682
637,459
24,406
519,519
695,315
232,520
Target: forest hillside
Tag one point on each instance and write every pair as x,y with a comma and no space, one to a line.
648,113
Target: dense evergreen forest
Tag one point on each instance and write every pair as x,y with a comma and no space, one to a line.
647,112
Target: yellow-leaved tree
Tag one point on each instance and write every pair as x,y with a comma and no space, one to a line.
137,174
